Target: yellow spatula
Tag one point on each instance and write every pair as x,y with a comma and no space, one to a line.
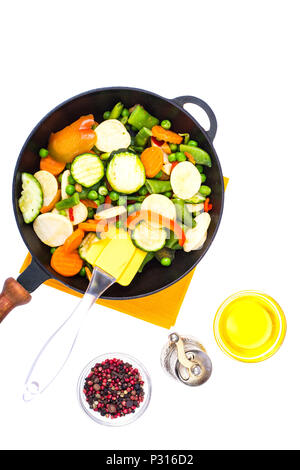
115,259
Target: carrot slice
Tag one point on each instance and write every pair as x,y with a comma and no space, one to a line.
89,203
169,136
74,240
48,208
166,148
190,157
66,264
93,226
51,165
153,160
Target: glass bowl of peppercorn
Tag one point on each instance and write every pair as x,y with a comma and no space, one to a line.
114,389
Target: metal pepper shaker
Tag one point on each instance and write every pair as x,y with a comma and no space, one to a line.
186,360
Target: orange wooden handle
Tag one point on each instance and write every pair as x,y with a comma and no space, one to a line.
12,295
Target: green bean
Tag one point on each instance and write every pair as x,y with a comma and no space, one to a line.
158,186
116,111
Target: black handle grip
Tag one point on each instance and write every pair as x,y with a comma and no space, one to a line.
33,276
182,100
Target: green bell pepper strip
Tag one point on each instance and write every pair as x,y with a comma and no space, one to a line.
142,136
141,118
116,111
68,203
149,256
158,186
199,155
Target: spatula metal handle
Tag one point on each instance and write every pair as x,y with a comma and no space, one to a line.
56,351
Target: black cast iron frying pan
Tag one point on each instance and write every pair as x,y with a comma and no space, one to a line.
154,278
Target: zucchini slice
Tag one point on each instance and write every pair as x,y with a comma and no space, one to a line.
86,244
31,199
112,135
148,238
125,172
87,169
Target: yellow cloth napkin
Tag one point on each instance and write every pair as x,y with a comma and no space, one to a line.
160,309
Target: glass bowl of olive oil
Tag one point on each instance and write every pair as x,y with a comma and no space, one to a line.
250,326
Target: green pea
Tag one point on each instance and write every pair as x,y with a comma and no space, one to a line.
52,250
168,194
71,180
114,196
165,261
122,201
199,168
43,153
143,191
159,175
131,208
63,212
106,115
205,190
172,157
193,143
91,213
105,156
180,157
173,147
93,195
125,112
103,191
59,178
101,199
70,189
165,124
82,272
203,178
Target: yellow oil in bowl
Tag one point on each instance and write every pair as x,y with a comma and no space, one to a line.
250,326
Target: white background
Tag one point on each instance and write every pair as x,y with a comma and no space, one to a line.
243,59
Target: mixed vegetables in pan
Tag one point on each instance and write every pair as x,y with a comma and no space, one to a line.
129,174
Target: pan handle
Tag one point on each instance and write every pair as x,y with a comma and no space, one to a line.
12,295
182,100
17,292
33,276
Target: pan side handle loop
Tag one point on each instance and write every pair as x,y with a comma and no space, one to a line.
182,100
